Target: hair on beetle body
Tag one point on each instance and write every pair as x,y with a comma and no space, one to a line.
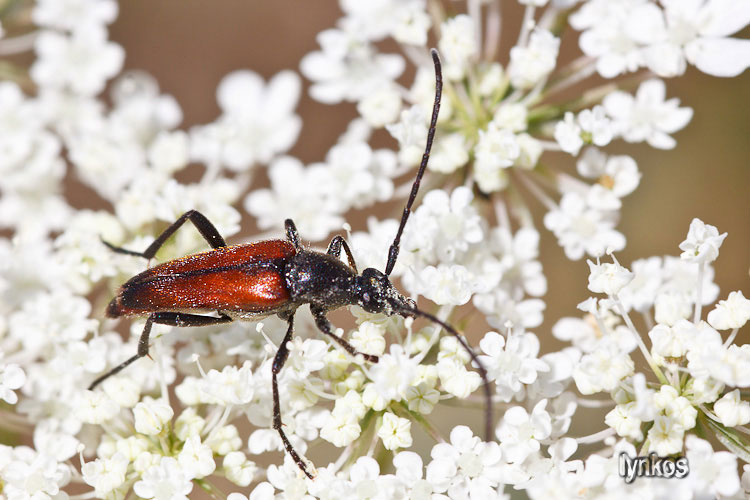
274,277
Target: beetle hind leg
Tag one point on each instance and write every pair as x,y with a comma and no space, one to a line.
278,363
204,226
163,318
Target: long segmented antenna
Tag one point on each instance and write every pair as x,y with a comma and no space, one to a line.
474,358
393,251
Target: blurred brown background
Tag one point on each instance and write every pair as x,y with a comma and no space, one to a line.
189,45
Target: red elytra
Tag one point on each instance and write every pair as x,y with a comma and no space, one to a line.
236,279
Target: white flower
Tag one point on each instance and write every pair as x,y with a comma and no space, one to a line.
496,150
287,479
409,470
675,406
356,176
623,422
381,107
411,23
669,308
296,193
602,369
702,243
421,398
512,116
457,45
28,474
188,423
731,313
647,116
456,379
530,151
466,467
196,459
165,481
105,474
697,33
411,133
341,428
712,474
673,341
605,38
395,432
616,176
731,410
596,126
123,390
568,134
170,151
238,468
529,65
368,338
152,416
12,377
513,363
520,433
257,122
449,153
666,436
443,228
608,278
95,407
230,386
81,62
348,67
377,19
445,284
390,377
72,14
583,229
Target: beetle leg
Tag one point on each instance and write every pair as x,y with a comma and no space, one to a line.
278,363
292,234
325,326
334,248
163,318
204,226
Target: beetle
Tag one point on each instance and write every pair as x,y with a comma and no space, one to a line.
256,280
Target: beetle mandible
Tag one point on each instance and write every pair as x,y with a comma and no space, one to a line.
255,280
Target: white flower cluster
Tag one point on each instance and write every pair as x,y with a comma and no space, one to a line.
496,121
202,407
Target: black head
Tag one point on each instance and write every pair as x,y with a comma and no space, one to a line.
376,294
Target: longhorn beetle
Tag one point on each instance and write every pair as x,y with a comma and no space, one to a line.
255,280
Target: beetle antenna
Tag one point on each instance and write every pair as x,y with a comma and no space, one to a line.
480,366
393,251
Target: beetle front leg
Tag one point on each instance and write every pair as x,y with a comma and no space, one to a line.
334,249
325,326
204,226
278,363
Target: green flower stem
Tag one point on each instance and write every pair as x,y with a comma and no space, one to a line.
402,410
210,489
